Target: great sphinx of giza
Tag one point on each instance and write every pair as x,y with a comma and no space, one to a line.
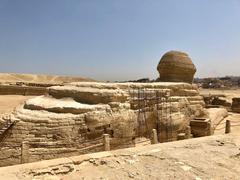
71,119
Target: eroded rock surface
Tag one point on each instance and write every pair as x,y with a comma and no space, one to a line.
215,157
176,66
236,105
71,119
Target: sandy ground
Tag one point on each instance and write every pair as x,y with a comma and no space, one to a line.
228,93
235,124
9,102
13,77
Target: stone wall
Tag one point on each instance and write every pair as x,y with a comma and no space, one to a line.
236,105
22,90
212,157
71,119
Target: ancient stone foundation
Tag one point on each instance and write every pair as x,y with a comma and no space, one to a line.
72,119
22,90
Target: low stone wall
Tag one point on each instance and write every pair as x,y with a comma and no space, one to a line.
236,105
200,158
22,90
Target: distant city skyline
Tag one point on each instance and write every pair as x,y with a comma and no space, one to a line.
115,40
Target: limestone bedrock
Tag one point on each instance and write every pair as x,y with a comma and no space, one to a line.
71,119
176,66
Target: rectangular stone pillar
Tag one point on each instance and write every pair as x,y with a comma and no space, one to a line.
188,132
154,138
25,152
106,142
228,127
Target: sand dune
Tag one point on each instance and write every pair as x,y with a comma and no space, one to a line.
11,77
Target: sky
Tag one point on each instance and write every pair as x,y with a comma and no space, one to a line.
118,39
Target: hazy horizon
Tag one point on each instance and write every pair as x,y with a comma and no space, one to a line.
118,40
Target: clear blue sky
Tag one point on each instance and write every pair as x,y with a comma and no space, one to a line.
118,39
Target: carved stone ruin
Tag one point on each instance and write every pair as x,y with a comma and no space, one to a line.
236,105
86,117
176,66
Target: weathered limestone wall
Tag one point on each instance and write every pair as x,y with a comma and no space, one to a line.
71,119
22,90
236,105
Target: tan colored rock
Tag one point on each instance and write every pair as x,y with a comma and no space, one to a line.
89,95
236,105
176,66
216,115
71,119
64,105
174,86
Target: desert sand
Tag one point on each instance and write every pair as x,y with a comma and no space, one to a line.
13,77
